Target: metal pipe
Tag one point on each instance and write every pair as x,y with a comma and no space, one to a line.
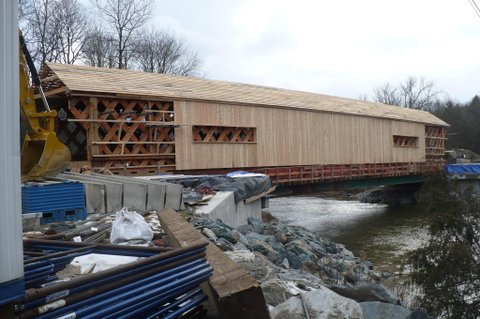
153,302
157,312
124,277
34,271
96,238
33,253
92,307
105,250
136,310
36,265
57,244
61,253
132,299
78,230
191,305
98,289
116,272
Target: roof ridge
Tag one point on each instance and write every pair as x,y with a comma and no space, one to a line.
137,83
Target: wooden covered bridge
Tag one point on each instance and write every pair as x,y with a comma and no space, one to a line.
143,123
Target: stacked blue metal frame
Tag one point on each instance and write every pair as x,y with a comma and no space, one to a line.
163,284
57,201
463,169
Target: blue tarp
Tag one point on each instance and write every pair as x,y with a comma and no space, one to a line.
462,169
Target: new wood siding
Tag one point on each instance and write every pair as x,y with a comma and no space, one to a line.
286,137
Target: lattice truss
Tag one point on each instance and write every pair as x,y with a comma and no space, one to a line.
125,136
435,138
223,134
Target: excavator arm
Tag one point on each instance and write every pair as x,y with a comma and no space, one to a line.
42,153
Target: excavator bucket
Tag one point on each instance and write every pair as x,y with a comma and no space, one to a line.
42,153
43,156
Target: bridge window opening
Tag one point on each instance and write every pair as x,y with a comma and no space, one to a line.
405,141
223,134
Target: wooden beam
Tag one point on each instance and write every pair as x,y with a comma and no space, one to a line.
124,157
256,197
53,92
234,293
153,123
92,130
49,78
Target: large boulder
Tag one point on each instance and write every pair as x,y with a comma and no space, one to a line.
320,304
381,310
302,280
276,291
298,253
256,264
366,292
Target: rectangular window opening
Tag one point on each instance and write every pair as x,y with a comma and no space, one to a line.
223,134
405,141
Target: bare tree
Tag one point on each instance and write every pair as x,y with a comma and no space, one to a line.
99,49
363,97
162,52
124,18
55,29
24,9
388,95
41,31
71,29
414,93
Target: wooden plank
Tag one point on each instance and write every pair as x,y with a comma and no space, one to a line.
53,92
155,123
132,142
234,293
254,198
92,134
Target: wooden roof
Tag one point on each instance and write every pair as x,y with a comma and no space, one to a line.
84,79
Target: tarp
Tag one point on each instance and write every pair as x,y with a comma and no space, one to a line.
462,169
242,187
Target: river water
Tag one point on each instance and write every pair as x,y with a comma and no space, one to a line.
379,233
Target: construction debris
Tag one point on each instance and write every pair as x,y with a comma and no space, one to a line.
163,282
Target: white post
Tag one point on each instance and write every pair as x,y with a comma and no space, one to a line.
11,250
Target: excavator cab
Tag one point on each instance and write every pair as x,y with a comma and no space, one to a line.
42,153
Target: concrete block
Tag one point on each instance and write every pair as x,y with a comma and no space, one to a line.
139,194
31,221
95,197
173,196
222,206
134,193
156,191
113,190
135,196
173,192
156,196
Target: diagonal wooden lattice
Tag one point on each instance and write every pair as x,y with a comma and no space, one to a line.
223,134
124,135
74,134
435,137
405,141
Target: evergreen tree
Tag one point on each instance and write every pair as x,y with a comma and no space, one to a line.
447,267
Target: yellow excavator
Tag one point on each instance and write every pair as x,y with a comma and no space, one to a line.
42,153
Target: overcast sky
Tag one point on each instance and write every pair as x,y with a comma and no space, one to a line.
343,48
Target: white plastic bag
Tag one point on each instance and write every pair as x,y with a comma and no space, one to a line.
129,225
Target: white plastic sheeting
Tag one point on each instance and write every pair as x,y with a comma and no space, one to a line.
11,253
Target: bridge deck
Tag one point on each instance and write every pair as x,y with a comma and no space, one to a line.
312,174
